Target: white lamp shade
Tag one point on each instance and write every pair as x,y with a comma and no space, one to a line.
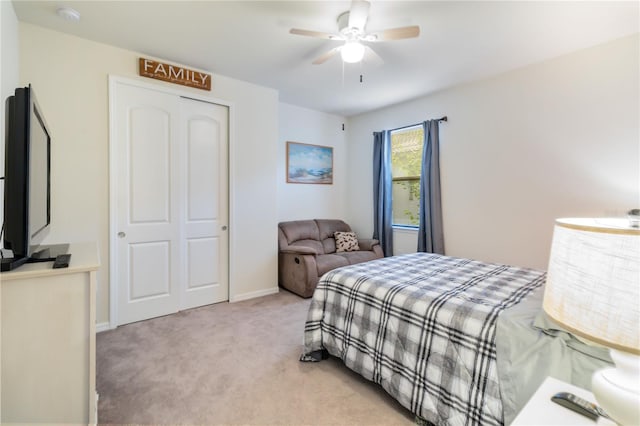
593,281
352,52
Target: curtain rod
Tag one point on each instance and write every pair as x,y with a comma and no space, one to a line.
419,124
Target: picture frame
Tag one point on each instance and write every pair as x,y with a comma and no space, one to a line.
309,164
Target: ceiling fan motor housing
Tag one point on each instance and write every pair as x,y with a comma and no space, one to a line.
343,26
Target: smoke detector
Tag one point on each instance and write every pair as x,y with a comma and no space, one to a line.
68,14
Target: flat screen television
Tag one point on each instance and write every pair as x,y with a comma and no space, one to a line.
27,186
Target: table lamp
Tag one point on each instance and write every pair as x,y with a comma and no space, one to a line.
593,291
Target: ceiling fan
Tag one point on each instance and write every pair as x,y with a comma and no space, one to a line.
351,30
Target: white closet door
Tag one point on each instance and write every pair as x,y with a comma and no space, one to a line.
148,230
171,195
205,203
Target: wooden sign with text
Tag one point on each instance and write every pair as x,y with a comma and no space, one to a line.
174,74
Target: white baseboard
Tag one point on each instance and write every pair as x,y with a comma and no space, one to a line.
254,294
103,326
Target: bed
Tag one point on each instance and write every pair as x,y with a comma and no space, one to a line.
451,339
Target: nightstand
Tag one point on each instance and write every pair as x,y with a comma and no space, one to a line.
540,410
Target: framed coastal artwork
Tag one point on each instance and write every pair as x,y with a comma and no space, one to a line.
309,163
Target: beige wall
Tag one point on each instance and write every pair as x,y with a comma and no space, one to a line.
70,76
305,201
555,139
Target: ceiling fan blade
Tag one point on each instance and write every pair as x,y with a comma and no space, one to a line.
371,57
316,34
326,56
358,14
394,34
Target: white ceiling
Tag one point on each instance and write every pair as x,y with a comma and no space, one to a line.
250,41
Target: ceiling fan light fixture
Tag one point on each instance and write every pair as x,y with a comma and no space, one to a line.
352,52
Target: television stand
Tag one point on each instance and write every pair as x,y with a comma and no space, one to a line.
48,352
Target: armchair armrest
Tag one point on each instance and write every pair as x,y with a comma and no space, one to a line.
367,244
298,250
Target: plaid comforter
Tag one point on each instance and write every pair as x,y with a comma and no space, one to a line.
422,326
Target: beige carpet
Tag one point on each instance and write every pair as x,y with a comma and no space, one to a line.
231,364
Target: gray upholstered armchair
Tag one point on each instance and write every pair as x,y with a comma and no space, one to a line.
307,250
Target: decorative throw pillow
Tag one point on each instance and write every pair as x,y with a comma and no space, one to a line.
346,241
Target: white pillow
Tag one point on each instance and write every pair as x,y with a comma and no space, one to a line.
346,241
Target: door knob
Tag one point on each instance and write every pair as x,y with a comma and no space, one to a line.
224,228
121,234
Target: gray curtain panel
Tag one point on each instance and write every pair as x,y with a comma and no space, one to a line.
382,211
430,235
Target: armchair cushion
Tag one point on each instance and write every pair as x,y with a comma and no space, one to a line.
328,262
353,257
314,245
326,231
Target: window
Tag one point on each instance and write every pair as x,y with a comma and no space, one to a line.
406,163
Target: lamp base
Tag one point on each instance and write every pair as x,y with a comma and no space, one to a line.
617,390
